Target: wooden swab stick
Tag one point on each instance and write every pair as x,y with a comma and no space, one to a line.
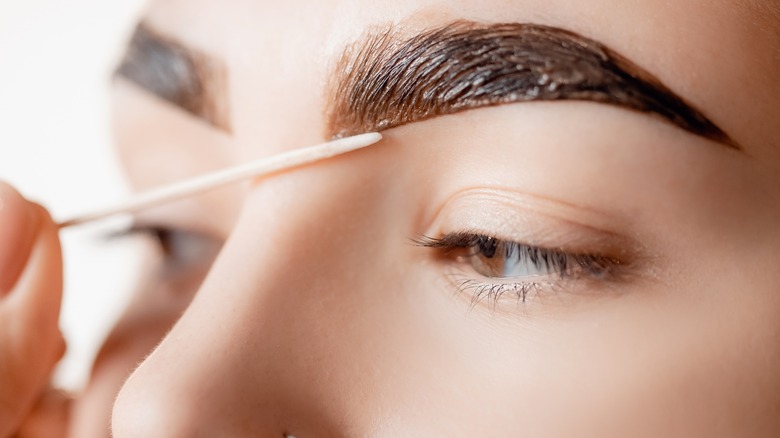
265,166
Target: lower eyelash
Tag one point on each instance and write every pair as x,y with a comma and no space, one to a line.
492,293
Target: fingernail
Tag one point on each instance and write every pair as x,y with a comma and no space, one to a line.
18,228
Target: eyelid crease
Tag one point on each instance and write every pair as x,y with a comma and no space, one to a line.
564,211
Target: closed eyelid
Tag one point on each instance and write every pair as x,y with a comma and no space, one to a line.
512,199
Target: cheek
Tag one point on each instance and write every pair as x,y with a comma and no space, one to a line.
671,359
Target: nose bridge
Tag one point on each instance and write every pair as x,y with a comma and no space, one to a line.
274,306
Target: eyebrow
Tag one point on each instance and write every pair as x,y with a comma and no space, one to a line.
182,76
384,81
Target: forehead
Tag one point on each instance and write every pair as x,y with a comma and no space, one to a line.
279,54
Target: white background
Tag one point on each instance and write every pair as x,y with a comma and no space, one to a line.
55,147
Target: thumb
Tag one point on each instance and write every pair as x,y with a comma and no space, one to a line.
30,339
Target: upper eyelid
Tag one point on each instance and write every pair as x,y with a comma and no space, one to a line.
128,231
536,221
464,239
556,209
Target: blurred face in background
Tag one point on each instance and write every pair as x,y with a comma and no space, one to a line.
569,229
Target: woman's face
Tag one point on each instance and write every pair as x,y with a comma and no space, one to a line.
540,268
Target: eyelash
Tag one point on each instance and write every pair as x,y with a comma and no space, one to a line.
179,248
557,267
161,235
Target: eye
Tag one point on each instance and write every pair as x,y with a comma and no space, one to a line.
491,267
495,258
179,248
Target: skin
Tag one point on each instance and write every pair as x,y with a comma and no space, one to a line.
320,317
30,296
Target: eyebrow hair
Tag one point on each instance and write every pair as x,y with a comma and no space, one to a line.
191,80
383,81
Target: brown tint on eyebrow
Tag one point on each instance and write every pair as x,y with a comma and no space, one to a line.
385,81
181,76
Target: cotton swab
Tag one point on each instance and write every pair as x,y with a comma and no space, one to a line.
261,167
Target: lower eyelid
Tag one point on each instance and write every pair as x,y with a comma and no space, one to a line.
492,292
508,293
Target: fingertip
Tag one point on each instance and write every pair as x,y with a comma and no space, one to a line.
61,347
45,221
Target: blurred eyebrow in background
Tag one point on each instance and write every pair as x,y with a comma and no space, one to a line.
383,80
193,81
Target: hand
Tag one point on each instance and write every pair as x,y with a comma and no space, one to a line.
30,294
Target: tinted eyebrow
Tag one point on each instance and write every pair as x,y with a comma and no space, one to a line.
187,78
385,80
